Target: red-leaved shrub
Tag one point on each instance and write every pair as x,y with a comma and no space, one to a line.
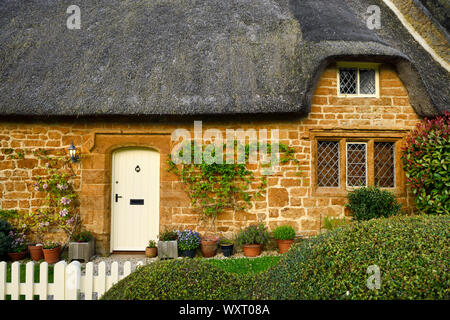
426,161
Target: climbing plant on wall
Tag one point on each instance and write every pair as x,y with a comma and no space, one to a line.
59,211
61,208
215,187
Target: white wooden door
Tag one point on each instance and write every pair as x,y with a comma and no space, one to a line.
135,199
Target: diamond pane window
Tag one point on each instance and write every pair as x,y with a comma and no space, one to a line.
347,80
358,81
328,163
384,164
356,164
367,81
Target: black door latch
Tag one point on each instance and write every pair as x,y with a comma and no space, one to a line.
117,197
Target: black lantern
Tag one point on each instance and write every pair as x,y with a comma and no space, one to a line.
73,153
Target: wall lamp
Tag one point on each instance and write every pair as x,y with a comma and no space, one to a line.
73,153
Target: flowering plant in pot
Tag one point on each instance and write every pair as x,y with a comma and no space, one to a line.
188,242
151,249
51,251
227,247
18,248
82,246
284,235
167,244
209,246
252,239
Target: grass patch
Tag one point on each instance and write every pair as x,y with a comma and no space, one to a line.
23,276
245,265
23,271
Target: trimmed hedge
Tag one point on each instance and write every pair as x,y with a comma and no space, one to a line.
411,252
180,279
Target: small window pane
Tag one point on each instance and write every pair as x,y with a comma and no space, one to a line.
356,164
347,80
367,81
328,163
384,164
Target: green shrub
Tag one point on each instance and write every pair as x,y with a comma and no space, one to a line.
411,252
5,240
284,233
151,244
82,236
253,235
371,202
426,161
225,242
168,235
180,280
332,223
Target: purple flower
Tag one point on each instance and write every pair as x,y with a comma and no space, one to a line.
64,200
63,213
45,186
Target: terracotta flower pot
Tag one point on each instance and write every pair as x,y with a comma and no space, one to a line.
52,255
284,245
151,252
252,250
16,256
36,252
209,247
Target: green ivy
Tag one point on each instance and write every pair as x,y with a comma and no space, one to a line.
215,187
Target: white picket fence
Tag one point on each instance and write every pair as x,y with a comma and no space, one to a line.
68,283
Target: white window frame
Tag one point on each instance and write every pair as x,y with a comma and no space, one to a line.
346,165
358,66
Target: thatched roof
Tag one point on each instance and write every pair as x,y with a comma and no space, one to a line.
191,57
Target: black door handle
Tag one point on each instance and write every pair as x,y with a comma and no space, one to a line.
117,197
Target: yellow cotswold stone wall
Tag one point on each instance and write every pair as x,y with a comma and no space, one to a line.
290,199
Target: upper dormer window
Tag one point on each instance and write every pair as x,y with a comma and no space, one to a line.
358,79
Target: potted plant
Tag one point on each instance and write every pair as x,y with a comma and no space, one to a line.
36,252
167,245
188,242
82,246
209,246
252,239
151,249
51,251
18,248
226,245
285,236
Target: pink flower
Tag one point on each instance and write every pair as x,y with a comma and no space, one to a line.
65,201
